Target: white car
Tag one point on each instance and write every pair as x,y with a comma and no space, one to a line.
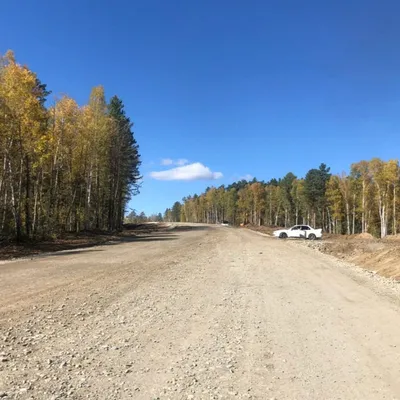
299,231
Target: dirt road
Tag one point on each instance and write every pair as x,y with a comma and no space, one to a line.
208,313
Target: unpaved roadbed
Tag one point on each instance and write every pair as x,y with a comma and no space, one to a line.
381,256
207,313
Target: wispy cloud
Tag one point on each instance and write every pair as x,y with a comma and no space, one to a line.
181,162
169,161
190,172
246,177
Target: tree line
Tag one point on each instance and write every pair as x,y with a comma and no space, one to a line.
138,218
363,201
64,167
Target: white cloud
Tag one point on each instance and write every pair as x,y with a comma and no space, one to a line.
190,172
247,177
168,161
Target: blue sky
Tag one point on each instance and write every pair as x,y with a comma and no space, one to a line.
236,88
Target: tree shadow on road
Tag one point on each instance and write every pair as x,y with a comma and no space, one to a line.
183,228
75,244
145,238
77,241
67,252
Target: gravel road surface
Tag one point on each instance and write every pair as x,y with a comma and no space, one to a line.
201,313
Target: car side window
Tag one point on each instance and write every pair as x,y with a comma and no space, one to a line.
295,228
305,228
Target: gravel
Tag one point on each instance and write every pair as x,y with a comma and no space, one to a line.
210,313
372,278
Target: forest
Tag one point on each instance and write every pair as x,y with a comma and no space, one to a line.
364,200
66,167
63,167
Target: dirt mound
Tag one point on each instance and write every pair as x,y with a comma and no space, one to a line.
269,230
393,237
380,256
364,235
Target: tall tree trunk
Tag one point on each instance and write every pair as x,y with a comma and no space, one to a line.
329,220
28,198
15,204
88,200
97,200
3,219
35,206
270,211
354,215
382,215
363,220
2,179
383,223
67,217
394,210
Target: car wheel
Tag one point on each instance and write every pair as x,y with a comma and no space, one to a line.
312,236
283,235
